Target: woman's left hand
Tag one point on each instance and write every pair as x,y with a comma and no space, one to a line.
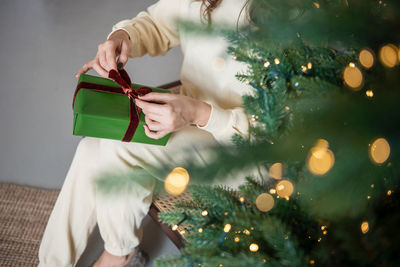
174,112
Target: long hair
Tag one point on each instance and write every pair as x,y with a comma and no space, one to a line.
207,7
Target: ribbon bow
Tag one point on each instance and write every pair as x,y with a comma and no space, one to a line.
120,77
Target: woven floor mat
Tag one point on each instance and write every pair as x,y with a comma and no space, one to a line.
24,212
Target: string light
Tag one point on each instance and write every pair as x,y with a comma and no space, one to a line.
247,82
320,159
200,230
353,77
366,58
323,227
389,192
267,64
177,181
272,191
237,239
309,65
265,202
379,151
312,262
175,227
246,232
204,213
303,68
253,247
241,199
287,108
275,171
388,55
227,228
316,4
369,93
364,227
226,213
277,61
284,188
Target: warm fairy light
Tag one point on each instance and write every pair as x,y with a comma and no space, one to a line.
204,213
325,232
175,227
312,262
353,77
309,65
246,232
267,64
200,230
320,159
275,171
284,188
218,64
227,228
253,247
388,55
316,4
364,227
241,199
277,61
372,185
366,58
221,265
379,151
247,82
177,181
234,57
264,260
252,228
287,108
389,192
303,68
272,191
265,202
182,232
261,84
237,239
368,197
323,227
226,213
369,93
319,239
286,237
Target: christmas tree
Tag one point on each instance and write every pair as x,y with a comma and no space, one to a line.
324,124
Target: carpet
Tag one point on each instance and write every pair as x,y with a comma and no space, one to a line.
24,211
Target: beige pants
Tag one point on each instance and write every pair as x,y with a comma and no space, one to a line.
80,204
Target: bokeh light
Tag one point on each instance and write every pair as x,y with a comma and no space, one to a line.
379,151
388,55
253,247
369,93
364,227
320,159
353,77
227,228
218,64
265,202
177,181
284,188
366,58
275,171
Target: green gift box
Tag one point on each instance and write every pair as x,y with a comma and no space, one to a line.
106,114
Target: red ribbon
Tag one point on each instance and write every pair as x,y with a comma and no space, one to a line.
120,77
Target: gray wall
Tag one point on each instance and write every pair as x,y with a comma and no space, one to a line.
43,44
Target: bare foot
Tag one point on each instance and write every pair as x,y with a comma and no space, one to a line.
109,260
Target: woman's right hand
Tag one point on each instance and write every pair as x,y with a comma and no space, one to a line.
117,44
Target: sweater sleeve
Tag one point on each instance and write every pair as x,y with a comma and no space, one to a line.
224,123
154,31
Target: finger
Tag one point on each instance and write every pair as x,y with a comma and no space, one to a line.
155,117
103,61
85,68
99,69
153,125
161,97
153,135
111,61
152,107
124,55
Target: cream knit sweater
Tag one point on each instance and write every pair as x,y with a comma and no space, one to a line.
208,72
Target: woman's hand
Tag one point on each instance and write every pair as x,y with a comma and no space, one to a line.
105,60
175,112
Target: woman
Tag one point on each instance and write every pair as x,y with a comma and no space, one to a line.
206,112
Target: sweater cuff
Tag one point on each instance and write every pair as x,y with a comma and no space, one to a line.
218,120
